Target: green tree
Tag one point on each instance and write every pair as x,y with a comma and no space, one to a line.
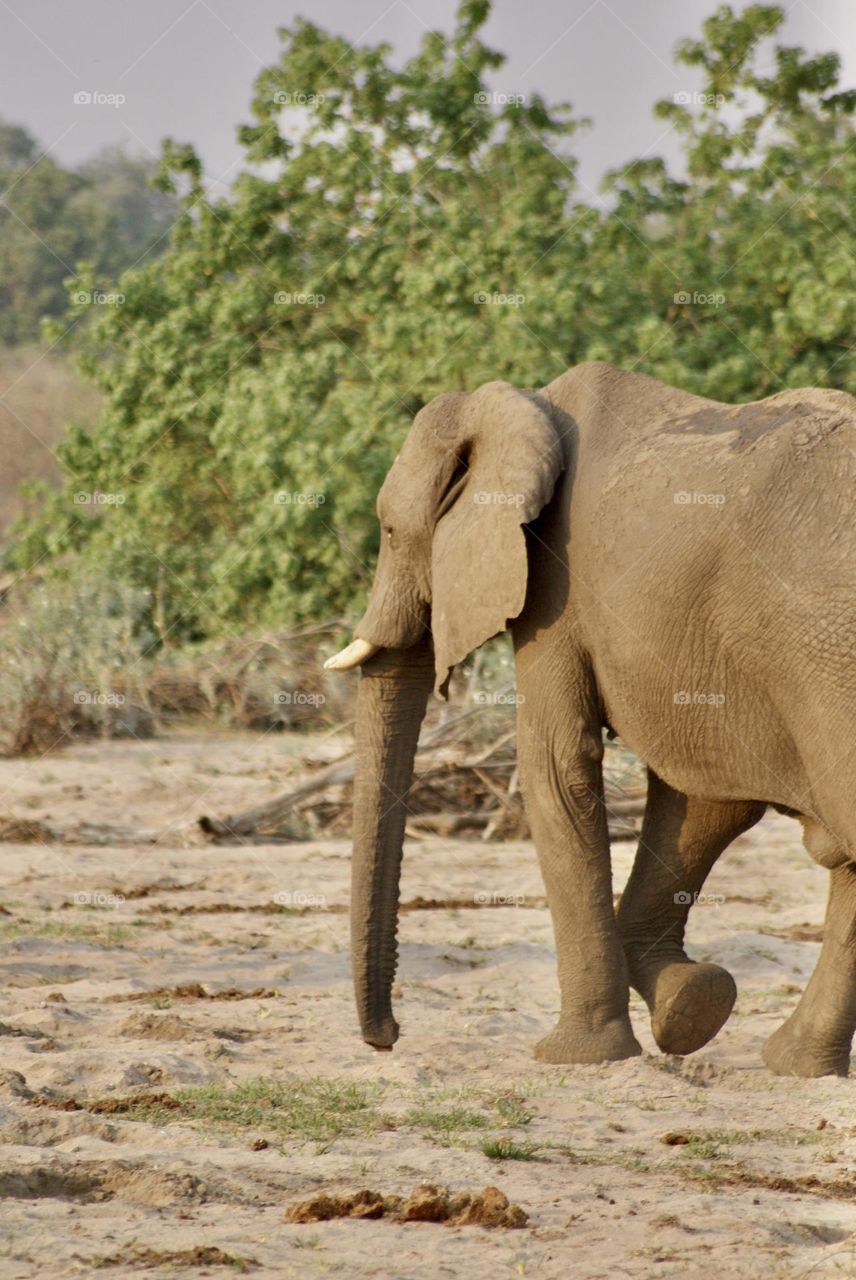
106,212
259,378
761,225
37,246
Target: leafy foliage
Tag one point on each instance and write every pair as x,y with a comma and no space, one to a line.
398,232
61,658
51,218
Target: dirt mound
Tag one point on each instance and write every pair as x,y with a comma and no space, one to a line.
94,1181
14,1085
154,1026
195,991
119,1106
23,831
200,1256
426,1203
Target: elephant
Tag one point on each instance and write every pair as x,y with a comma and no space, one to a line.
674,571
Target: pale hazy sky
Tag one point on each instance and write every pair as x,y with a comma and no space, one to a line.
186,67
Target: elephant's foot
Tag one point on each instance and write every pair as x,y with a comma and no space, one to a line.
798,1050
689,1003
572,1042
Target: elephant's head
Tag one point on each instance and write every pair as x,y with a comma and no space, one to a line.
451,573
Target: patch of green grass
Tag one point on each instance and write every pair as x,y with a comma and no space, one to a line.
446,1123
572,1155
508,1149
512,1111
614,1158
306,1242
318,1109
701,1141
702,1148
100,935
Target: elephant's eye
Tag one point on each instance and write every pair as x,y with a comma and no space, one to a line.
388,531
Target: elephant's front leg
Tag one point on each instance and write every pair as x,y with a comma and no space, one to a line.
681,839
560,751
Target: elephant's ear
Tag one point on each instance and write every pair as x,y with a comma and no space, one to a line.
512,454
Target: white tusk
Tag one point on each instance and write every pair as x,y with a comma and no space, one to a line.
351,656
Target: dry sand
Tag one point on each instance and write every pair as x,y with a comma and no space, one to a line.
756,1178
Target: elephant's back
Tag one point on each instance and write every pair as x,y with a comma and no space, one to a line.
798,419
670,486
613,408
608,404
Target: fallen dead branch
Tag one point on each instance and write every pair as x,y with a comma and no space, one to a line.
458,790
31,831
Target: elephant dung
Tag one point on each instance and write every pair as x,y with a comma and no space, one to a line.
426,1203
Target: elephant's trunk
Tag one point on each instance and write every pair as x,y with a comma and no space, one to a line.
393,691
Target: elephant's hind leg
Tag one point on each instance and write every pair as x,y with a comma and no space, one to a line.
816,1039
681,840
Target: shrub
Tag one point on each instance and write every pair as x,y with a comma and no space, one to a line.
72,659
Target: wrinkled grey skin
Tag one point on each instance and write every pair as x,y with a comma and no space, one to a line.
686,576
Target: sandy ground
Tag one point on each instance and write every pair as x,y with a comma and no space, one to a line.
756,1178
